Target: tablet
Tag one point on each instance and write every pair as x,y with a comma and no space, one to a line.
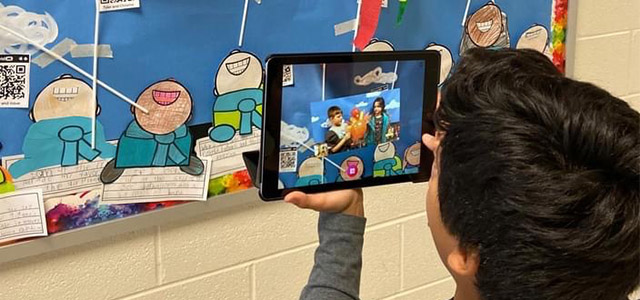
346,120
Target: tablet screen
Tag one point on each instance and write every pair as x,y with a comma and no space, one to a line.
350,121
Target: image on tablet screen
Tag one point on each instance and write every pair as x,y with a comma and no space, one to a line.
349,121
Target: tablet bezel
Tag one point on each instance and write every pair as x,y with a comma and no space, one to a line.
272,115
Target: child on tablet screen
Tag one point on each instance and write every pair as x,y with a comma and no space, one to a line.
337,137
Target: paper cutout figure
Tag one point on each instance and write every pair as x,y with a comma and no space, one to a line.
411,161
486,28
161,137
378,45
536,38
311,172
238,104
386,162
352,168
375,76
6,182
61,134
446,61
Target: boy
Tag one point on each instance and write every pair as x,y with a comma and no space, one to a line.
337,137
533,194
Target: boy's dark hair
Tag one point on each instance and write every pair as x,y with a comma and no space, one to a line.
540,174
332,111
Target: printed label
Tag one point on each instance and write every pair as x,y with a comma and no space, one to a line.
111,5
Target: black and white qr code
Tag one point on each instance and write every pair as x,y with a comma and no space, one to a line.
288,161
14,80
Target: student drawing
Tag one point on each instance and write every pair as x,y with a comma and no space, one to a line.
446,61
238,91
386,162
535,37
411,160
376,45
161,137
61,133
352,168
486,28
378,126
311,172
6,182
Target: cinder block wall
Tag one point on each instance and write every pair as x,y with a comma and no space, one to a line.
266,251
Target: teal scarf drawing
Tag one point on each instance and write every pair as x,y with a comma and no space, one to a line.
310,180
61,141
387,167
138,148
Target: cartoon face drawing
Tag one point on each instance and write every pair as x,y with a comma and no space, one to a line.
352,168
311,166
485,25
384,151
66,96
169,104
536,38
446,60
378,45
240,70
412,155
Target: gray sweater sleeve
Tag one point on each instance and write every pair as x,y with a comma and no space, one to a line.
338,259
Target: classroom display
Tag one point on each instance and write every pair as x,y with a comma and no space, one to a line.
155,105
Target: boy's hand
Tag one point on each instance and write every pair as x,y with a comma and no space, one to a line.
348,202
347,136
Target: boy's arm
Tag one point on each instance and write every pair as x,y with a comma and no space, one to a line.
339,146
338,258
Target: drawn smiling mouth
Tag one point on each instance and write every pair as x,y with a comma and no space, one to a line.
484,26
65,94
384,147
415,152
238,67
165,98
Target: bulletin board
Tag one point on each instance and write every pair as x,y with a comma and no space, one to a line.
192,43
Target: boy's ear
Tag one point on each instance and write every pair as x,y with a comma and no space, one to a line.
133,110
464,262
31,116
98,110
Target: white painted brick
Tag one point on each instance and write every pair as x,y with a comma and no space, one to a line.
388,202
601,17
381,263
105,269
604,61
421,263
634,101
634,63
228,285
285,276
219,240
440,291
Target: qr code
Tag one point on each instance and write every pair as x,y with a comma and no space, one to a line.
288,161
14,80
